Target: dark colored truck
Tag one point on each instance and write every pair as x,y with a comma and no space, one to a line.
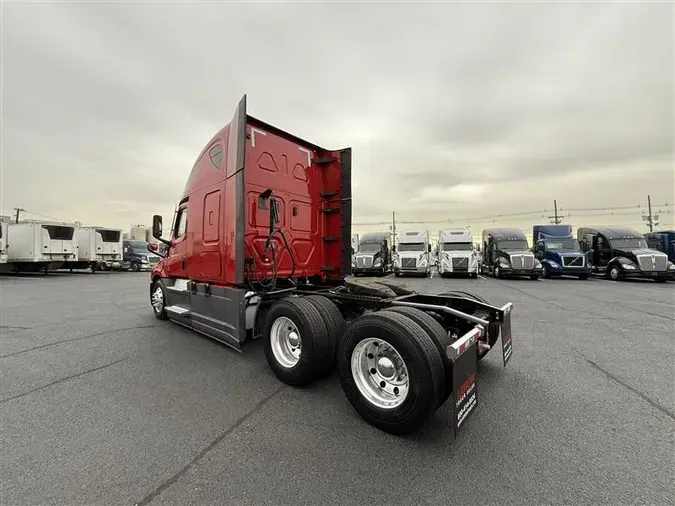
261,248
559,252
506,254
137,257
373,255
622,252
664,241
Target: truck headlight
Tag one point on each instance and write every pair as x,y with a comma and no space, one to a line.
377,262
671,265
504,265
554,264
628,267
537,264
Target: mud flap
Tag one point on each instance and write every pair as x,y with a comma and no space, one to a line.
507,349
464,385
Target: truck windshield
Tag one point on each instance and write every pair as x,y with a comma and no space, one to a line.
411,246
512,245
562,244
139,247
630,243
369,247
457,246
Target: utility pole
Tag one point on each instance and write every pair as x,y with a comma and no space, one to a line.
555,218
18,210
393,227
652,219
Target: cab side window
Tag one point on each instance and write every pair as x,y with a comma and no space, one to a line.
181,223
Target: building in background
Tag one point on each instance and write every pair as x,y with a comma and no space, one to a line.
139,233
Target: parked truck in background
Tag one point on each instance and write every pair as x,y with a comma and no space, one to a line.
97,248
664,241
257,252
622,252
40,246
413,254
506,253
456,253
559,252
137,257
373,255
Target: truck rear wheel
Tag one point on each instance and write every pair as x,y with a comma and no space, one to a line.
296,342
391,371
437,334
332,318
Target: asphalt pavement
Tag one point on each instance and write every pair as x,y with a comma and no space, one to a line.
100,403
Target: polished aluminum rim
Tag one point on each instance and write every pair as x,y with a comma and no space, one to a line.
286,342
380,373
158,299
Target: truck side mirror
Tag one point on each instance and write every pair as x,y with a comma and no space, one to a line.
157,226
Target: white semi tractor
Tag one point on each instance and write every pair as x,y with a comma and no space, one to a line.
35,246
413,254
457,253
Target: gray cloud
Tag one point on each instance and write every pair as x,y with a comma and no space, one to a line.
452,109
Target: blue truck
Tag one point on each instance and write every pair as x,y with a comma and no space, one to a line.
559,252
664,241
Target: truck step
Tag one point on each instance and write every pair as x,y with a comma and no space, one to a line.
331,238
329,210
328,194
179,310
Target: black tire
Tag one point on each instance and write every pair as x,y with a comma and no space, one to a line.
135,267
316,355
397,274
497,273
161,314
421,358
332,317
660,280
473,275
437,334
544,271
583,277
534,277
612,268
493,329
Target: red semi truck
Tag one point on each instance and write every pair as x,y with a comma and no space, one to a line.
260,247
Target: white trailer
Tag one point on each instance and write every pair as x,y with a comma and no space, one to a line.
97,248
457,253
40,245
413,254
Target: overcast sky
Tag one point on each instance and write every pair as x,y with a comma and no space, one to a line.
452,110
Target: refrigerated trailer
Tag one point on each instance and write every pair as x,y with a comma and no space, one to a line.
40,246
3,243
97,248
260,248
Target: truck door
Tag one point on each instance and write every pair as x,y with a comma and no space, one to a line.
176,260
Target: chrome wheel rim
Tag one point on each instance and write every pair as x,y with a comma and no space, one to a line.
614,273
380,373
158,299
286,342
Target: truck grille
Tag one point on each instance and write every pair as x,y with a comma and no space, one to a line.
652,263
408,263
460,264
573,261
522,261
364,262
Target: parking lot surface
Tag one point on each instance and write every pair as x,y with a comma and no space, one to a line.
103,404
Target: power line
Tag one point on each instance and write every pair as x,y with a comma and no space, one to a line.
566,212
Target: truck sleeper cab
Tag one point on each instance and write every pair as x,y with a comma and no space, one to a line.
559,252
373,255
622,252
506,253
413,254
456,253
260,247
